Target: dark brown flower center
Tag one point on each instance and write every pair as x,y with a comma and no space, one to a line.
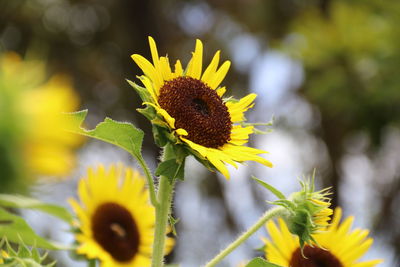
314,257
198,109
116,231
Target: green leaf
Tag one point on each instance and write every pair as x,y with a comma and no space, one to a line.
272,189
172,169
16,230
16,201
259,262
121,134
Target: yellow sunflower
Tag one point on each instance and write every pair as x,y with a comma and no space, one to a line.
116,220
339,246
31,137
190,104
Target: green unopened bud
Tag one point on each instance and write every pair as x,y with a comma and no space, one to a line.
307,210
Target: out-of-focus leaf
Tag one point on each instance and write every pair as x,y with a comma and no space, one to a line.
259,262
272,189
16,230
16,201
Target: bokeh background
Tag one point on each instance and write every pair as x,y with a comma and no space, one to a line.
327,71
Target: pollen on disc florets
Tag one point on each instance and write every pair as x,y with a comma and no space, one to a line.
116,231
197,109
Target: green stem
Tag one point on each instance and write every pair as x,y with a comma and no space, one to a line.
164,198
150,182
92,263
269,214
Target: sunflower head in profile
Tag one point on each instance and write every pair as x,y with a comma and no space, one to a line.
337,246
306,212
309,211
187,108
115,219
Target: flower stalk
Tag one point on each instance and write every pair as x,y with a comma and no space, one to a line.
268,215
150,182
163,209
91,263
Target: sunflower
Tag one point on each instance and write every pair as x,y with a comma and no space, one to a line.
116,220
48,149
31,124
190,104
338,246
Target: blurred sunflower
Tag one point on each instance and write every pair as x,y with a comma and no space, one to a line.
116,219
189,103
338,246
31,137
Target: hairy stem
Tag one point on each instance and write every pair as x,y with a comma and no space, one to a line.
163,209
269,214
150,182
92,263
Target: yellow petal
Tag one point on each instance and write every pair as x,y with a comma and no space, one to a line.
201,149
149,86
221,91
164,113
165,69
218,164
239,133
181,131
154,53
178,69
195,64
237,109
149,70
211,69
220,75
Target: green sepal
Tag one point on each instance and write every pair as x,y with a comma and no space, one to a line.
261,249
148,112
301,225
284,203
163,136
142,91
22,202
172,169
260,262
172,222
270,188
160,123
17,230
265,124
23,256
230,99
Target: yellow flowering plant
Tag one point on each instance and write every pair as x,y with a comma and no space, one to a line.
121,217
